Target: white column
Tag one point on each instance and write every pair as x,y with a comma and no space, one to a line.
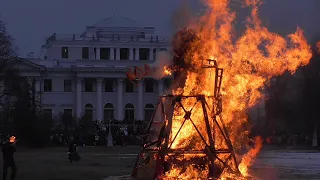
99,99
38,85
30,85
79,98
120,108
111,53
137,57
98,54
37,88
117,53
92,54
131,54
160,86
30,81
151,54
140,100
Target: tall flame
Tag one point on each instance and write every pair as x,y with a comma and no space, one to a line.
249,62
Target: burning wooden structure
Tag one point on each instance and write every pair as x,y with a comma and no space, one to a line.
159,154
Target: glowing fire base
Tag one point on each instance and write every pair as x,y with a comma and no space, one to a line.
158,155
206,153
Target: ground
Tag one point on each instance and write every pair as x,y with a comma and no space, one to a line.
52,163
287,164
100,162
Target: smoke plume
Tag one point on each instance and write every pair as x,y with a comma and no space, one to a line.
163,59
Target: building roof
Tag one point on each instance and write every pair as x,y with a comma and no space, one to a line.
117,22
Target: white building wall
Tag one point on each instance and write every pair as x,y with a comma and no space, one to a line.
59,69
53,52
74,52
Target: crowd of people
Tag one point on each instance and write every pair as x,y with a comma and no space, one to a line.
120,133
286,139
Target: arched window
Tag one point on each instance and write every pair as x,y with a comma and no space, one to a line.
129,113
148,111
88,111
108,112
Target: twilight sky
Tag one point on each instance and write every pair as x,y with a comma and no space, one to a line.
30,21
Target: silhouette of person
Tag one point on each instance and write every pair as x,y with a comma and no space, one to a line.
8,150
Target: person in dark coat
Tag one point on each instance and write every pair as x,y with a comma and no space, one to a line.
8,150
73,154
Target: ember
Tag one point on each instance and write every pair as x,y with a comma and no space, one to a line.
197,139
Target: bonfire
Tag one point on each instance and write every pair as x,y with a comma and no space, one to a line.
249,62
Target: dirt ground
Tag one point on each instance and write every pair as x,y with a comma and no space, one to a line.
52,163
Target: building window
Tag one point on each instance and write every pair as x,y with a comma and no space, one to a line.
47,83
129,86
105,53
108,113
88,85
108,85
64,52
47,113
149,85
154,54
67,113
129,113
114,53
85,52
134,54
148,112
163,49
144,54
88,112
124,53
67,85
95,53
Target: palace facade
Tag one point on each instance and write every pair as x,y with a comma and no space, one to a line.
85,73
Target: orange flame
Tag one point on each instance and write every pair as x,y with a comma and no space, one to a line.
167,71
250,156
12,139
249,62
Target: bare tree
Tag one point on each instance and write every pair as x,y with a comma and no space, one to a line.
9,76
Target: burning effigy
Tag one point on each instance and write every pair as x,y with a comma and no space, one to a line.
197,130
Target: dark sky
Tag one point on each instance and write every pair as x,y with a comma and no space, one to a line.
30,21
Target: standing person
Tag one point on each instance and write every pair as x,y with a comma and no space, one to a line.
96,139
8,150
73,153
71,149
